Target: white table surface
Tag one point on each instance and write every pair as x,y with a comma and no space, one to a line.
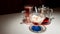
10,24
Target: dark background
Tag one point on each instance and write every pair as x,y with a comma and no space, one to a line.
16,6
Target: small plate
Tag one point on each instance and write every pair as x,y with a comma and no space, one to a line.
37,28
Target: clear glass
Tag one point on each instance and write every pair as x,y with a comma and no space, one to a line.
41,16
